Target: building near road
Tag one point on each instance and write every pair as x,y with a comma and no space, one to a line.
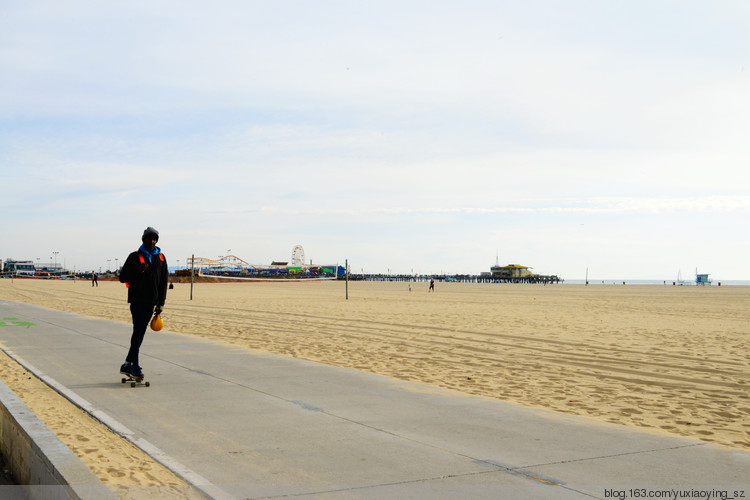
12,267
19,267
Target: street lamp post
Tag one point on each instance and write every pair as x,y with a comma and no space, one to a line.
55,268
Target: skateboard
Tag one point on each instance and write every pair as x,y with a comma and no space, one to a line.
135,381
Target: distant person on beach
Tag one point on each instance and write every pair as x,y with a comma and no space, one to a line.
146,274
432,286
94,280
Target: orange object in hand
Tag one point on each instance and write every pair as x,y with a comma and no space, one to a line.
157,323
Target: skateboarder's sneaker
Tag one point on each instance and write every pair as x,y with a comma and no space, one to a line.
127,368
135,371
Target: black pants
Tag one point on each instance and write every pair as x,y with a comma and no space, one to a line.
141,314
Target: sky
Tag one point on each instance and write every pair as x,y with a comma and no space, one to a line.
405,136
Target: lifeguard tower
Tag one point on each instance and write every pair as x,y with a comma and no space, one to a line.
702,279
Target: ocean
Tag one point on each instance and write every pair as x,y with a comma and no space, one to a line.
714,282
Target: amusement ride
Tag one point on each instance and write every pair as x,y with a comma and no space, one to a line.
233,267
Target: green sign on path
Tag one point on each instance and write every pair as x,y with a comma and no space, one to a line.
15,322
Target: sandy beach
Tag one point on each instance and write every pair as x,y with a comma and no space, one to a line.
669,359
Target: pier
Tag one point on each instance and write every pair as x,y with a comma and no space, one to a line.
456,278
512,273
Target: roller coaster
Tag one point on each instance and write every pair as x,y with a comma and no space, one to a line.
233,267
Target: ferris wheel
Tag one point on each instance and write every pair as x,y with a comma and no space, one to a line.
298,256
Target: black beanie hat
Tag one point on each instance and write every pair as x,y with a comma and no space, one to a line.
150,230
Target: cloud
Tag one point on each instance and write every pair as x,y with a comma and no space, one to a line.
369,126
612,206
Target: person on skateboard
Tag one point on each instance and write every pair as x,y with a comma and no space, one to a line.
145,273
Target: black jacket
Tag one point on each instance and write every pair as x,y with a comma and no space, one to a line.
149,287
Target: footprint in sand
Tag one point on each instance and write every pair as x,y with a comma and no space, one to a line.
630,411
115,473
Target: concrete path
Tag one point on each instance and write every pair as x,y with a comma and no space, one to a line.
245,424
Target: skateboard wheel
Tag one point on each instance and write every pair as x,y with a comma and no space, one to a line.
148,384
132,384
